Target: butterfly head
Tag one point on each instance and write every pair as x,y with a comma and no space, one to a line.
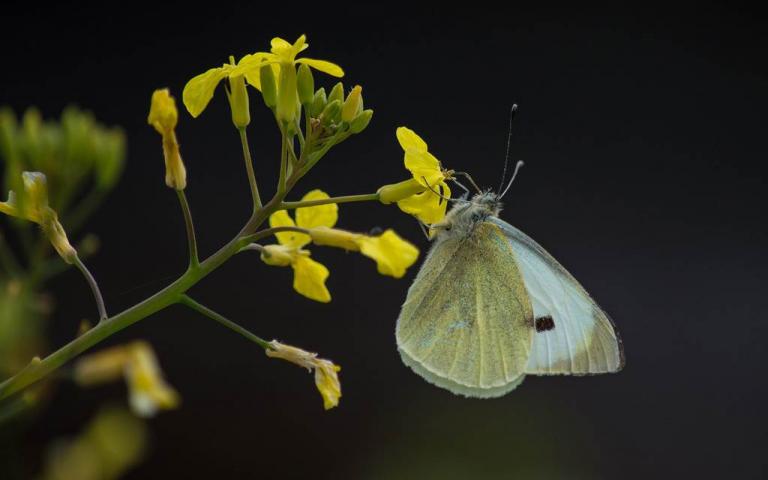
462,219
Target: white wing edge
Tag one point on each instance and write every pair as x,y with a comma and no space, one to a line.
584,340
455,387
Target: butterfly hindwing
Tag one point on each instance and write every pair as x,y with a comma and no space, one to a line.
573,335
466,324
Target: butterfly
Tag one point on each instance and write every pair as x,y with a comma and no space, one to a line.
490,306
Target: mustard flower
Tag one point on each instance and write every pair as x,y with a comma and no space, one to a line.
164,116
137,363
392,254
33,206
326,372
309,276
417,196
282,60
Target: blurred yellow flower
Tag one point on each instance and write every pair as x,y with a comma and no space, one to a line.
137,363
32,205
309,276
417,196
326,372
163,116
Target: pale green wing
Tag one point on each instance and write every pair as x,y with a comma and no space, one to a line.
467,322
579,337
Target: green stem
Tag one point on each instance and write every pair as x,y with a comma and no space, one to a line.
188,301
7,258
94,288
194,262
271,231
368,197
249,169
165,297
283,163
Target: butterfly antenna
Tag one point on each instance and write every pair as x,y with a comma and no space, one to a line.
471,181
447,199
512,112
519,164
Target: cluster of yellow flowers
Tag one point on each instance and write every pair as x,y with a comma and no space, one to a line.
286,84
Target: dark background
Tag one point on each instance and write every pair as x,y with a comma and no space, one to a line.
643,133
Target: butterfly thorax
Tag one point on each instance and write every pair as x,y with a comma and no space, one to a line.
462,219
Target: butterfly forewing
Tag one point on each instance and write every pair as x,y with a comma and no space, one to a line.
467,323
573,334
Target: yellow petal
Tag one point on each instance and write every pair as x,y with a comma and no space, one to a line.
148,390
199,91
424,167
392,254
280,46
323,66
249,66
162,111
327,382
409,140
309,279
292,239
426,206
334,237
319,215
299,45
101,367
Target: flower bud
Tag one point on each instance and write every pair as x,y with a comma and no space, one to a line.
163,116
399,191
287,97
305,85
337,93
277,255
352,104
331,113
268,86
318,103
238,102
361,122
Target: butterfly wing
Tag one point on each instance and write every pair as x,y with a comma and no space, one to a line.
582,339
466,324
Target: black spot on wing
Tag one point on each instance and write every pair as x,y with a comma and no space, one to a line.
544,324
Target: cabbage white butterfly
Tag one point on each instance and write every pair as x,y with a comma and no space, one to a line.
490,306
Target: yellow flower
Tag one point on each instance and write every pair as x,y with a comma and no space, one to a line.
309,276
392,254
282,60
148,390
326,372
163,116
137,363
33,206
413,196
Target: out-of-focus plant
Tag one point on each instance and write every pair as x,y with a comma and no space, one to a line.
82,161
310,123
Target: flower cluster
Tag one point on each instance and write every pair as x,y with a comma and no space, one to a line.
392,254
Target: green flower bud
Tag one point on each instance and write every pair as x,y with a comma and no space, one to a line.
318,103
337,93
351,104
268,86
306,85
361,121
287,96
238,101
331,113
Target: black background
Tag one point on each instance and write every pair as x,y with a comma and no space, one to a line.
643,133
